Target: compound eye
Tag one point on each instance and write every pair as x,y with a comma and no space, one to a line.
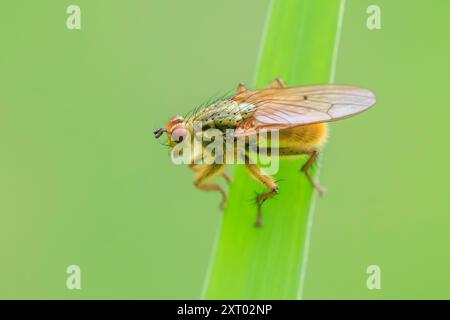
179,134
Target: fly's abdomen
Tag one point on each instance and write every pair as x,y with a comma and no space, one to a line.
308,136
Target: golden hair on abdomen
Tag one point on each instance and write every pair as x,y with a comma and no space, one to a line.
308,136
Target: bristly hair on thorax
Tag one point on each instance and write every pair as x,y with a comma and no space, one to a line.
212,100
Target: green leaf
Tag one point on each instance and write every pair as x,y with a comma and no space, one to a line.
269,262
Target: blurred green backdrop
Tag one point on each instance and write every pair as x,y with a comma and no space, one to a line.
82,180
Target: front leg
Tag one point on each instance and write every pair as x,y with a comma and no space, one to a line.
199,167
206,173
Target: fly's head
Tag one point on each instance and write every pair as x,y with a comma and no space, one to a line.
175,130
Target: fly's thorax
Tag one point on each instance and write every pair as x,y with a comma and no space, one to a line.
224,114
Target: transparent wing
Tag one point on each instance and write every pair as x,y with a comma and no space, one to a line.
294,106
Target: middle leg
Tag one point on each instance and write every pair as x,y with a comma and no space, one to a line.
269,182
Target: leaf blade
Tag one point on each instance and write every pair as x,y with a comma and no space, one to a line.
269,263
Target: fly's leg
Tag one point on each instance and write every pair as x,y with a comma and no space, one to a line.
227,177
313,156
207,173
198,167
241,87
195,167
269,182
278,83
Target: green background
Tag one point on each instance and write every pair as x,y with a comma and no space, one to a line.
82,180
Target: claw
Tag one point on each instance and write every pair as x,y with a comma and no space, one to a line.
223,204
321,190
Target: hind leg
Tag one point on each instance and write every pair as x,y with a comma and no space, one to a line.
313,156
